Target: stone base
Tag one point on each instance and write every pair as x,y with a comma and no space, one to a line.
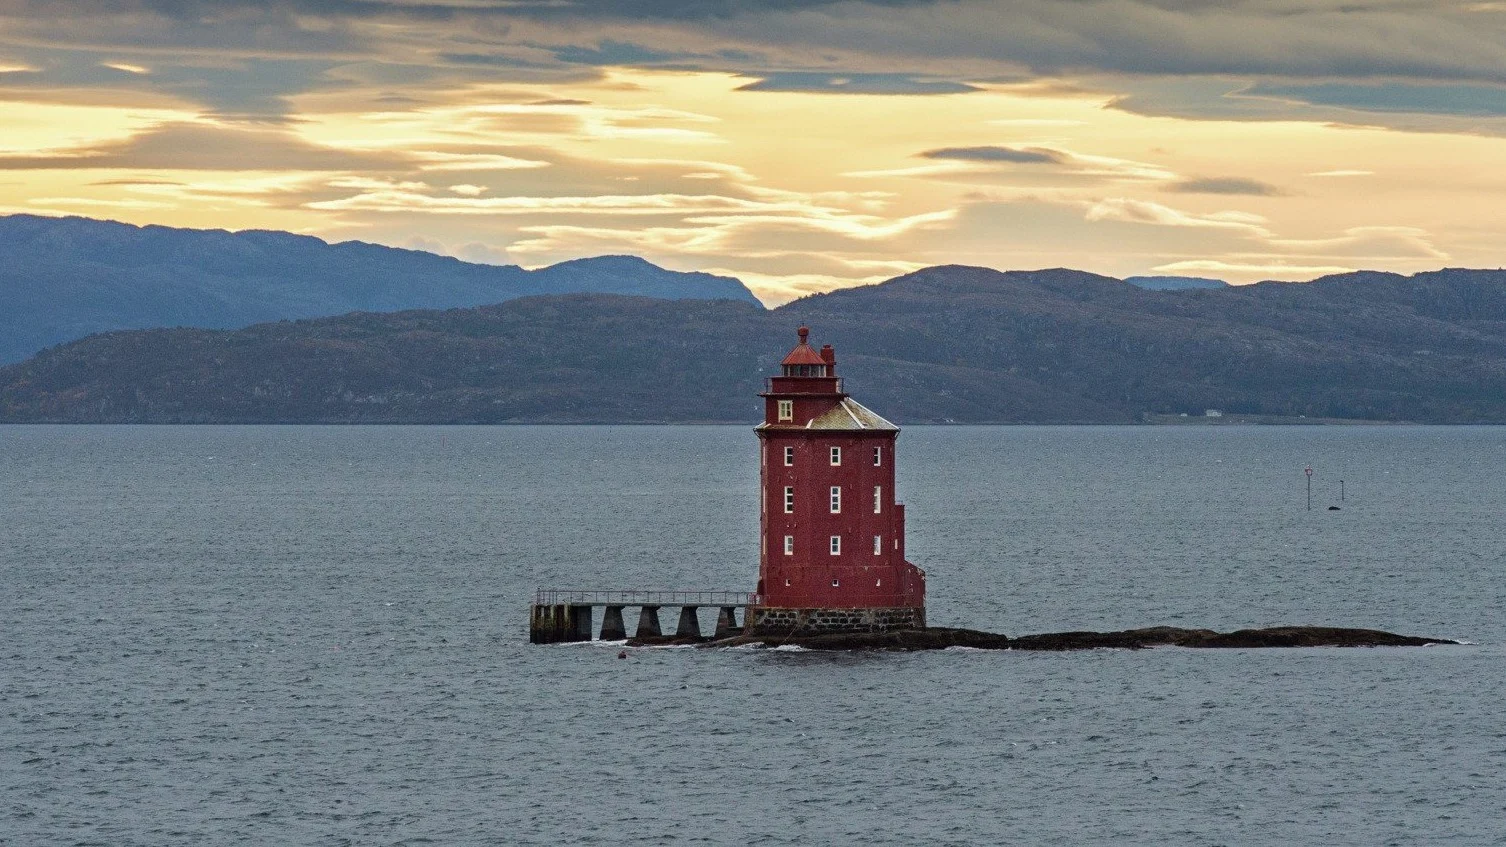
764,620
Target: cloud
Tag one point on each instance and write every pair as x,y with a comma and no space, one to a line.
441,160
398,199
1274,269
1463,100
248,57
1225,185
986,164
1415,107
100,203
1371,245
193,146
1036,155
520,128
1145,212
856,83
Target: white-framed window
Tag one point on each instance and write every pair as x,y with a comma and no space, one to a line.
836,545
878,456
836,499
878,583
789,545
786,410
836,455
789,457
878,545
896,542
786,583
789,499
836,583
878,499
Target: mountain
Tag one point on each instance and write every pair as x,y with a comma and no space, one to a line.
65,278
942,344
1174,283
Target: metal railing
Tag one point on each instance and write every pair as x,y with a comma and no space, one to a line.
768,384
560,596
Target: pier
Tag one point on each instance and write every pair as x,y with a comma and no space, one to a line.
562,615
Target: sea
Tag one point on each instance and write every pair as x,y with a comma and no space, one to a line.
221,635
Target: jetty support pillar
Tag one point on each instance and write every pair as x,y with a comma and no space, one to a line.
612,626
689,625
648,622
726,622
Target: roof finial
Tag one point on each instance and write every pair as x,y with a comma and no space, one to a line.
805,332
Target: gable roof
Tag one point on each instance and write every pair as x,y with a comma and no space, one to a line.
851,415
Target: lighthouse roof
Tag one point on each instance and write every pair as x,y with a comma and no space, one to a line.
850,414
803,354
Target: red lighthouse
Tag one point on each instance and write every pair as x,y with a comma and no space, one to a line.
833,537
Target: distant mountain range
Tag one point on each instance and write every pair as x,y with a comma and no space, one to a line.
65,278
943,344
1174,283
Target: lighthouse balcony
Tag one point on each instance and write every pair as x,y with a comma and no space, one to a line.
783,385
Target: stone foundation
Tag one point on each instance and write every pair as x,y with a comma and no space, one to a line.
773,621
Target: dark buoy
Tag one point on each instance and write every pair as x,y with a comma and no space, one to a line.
1333,508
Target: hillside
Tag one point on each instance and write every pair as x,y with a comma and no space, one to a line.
1174,283
943,344
65,278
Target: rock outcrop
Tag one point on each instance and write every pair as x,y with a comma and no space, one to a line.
940,638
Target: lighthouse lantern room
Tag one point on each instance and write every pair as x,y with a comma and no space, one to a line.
832,534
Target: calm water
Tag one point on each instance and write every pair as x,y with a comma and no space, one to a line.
307,635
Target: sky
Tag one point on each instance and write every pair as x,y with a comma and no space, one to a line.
799,145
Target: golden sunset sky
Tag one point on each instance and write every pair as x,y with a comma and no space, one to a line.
798,145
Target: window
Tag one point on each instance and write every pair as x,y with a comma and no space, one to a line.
878,545
789,499
786,410
789,457
835,583
789,545
786,583
836,545
878,499
878,456
836,499
836,455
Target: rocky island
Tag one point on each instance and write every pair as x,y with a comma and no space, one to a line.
940,638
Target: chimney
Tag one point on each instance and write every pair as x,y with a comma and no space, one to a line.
829,356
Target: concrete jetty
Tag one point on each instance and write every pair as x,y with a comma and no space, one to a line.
559,616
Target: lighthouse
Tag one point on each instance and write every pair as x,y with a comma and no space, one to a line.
832,536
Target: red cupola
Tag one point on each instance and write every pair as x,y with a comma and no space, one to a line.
832,553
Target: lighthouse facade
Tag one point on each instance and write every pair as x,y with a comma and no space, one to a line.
832,551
